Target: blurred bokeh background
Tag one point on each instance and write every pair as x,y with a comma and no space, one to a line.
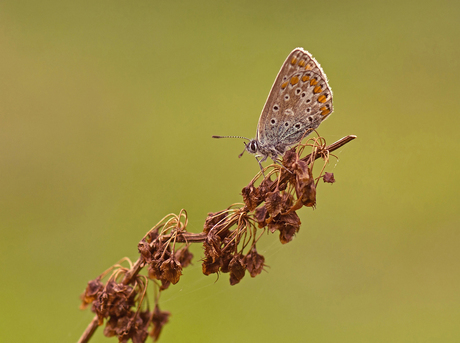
107,110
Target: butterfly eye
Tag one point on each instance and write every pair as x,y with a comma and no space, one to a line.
273,121
304,95
297,126
286,124
309,118
308,110
252,147
276,108
286,97
298,90
308,100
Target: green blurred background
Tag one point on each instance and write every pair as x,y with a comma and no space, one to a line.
107,110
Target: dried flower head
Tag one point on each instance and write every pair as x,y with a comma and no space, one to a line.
328,177
159,319
254,262
229,240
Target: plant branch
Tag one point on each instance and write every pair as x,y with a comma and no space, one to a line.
181,236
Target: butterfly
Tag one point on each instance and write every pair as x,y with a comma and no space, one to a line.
299,101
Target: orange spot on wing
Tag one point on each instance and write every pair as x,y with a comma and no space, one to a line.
322,98
294,61
313,82
284,85
325,111
307,67
302,63
305,78
294,80
317,89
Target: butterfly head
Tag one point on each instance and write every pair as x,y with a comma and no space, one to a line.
252,146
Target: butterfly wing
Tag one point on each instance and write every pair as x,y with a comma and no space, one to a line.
300,99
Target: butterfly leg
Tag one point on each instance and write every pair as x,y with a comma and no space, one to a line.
281,164
260,164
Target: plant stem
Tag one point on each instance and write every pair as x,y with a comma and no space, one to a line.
189,237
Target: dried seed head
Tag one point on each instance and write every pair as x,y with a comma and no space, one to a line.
287,224
114,300
154,270
211,266
237,269
328,177
251,196
144,249
171,270
164,284
131,326
159,319
289,158
225,262
305,185
212,246
265,187
214,219
254,262
261,216
286,201
92,290
184,256
273,203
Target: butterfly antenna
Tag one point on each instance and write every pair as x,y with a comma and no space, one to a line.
245,145
231,137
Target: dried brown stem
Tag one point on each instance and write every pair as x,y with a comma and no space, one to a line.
186,237
201,237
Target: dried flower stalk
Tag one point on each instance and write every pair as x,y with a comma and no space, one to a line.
229,239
